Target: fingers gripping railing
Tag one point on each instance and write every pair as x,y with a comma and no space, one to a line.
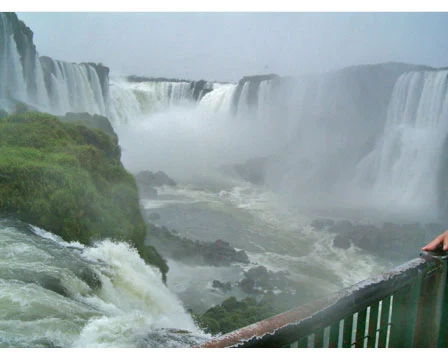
404,307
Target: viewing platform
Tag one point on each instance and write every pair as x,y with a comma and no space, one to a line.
405,307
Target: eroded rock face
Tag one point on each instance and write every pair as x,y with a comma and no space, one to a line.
154,179
224,287
218,253
259,280
322,223
147,181
253,170
388,240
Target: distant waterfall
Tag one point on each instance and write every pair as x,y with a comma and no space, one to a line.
135,99
74,88
43,83
403,168
220,99
131,100
12,79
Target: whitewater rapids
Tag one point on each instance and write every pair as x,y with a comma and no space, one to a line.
59,294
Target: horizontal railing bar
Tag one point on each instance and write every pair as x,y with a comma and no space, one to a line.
294,324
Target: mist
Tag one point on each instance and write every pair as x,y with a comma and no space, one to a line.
336,128
192,140
353,142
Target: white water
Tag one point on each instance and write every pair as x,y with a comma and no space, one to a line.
12,81
76,88
256,221
131,100
73,87
132,308
402,169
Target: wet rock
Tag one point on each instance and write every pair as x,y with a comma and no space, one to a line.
218,253
154,179
147,181
342,242
321,224
341,227
221,253
260,280
253,170
53,284
225,287
154,216
146,191
90,277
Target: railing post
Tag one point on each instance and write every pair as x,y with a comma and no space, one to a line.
431,324
442,341
404,319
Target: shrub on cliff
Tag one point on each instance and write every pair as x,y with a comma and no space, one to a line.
232,314
69,180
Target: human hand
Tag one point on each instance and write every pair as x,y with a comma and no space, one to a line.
440,241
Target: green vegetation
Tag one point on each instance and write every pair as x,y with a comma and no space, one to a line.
69,180
233,314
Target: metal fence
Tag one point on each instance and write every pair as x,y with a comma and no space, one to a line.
405,307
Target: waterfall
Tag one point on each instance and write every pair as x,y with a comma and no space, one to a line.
75,88
45,84
132,100
12,81
219,99
401,172
59,294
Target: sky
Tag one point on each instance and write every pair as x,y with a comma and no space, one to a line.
225,46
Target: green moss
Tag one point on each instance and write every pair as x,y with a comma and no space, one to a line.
69,179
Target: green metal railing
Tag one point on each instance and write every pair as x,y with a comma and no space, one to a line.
405,307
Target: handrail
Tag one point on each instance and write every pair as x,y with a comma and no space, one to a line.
403,307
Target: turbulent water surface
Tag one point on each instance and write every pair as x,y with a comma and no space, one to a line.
256,221
58,294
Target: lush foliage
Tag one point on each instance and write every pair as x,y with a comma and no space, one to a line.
233,314
69,179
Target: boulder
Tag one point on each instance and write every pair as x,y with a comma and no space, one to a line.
218,253
146,191
149,178
154,216
321,224
341,227
341,242
260,280
225,287
253,170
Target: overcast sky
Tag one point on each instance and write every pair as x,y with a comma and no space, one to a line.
226,46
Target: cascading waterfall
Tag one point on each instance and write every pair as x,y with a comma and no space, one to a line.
55,293
50,86
75,88
401,172
42,97
219,99
131,100
12,81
